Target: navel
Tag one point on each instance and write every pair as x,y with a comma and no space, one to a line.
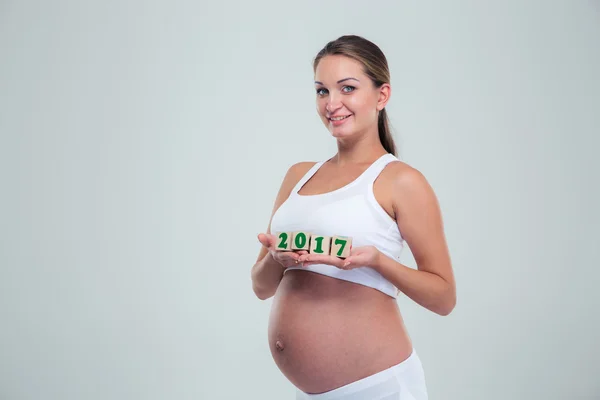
279,345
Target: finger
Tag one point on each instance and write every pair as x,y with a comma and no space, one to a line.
272,240
331,260
315,258
349,260
261,238
288,260
321,259
303,257
265,239
289,255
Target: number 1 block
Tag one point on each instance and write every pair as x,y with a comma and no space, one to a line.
284,241
341,246
300,240
320,244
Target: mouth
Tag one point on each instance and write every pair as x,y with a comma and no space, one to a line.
339,118
336,121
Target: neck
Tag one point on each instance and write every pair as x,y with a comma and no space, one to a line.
363,150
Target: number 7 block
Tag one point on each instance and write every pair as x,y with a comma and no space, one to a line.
341,246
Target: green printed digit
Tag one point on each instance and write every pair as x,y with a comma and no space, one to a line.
283,243
319,246
300,240
343,245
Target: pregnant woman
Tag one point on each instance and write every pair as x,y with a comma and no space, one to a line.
335,329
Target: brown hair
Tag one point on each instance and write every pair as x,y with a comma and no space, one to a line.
375,67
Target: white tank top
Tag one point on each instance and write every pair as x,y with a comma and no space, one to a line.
351,210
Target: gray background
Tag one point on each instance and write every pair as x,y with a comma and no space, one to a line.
142,145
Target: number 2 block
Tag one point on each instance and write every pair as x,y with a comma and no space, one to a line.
341,246
300,240
320,244
284,241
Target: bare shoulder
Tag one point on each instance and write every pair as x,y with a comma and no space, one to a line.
410,191
399,175
301,168
294,173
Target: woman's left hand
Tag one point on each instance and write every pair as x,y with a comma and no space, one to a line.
364,256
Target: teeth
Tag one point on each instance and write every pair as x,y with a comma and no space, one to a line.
339,118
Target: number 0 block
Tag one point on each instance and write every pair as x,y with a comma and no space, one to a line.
284,241
340,246
320,244
300,240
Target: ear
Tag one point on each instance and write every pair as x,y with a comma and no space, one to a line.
385,91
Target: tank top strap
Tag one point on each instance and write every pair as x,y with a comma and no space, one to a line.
313,170
375,169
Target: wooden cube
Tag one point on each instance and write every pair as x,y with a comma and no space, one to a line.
320,244
301,240
341,246
284,241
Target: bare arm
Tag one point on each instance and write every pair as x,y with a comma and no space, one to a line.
266,275
267,272
419,218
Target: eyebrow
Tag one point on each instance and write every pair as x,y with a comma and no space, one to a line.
340,81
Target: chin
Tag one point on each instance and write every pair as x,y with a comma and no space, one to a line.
341,133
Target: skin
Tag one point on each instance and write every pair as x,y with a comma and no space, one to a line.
364,331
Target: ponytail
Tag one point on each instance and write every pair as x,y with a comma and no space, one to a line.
385,135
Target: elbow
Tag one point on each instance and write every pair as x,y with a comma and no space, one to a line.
261,294
447,305
258,292
445,311
262,290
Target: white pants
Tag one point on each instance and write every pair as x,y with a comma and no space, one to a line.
404,381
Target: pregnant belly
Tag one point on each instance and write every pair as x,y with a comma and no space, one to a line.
325,332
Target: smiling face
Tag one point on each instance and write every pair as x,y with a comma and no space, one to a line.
347,100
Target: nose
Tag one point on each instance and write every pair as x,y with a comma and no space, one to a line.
332,105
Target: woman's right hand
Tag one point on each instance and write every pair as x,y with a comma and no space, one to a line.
285,258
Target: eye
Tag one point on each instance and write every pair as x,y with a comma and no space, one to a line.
319,91
348,87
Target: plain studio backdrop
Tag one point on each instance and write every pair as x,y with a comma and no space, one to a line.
143,143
